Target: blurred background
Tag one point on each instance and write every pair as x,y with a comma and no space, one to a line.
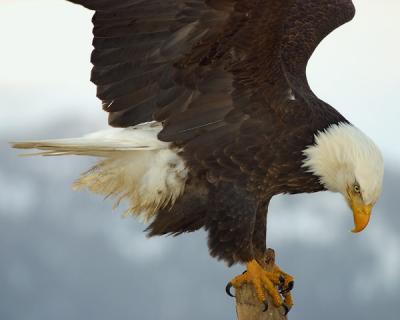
68,255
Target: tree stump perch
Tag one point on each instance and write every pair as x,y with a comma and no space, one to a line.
248,307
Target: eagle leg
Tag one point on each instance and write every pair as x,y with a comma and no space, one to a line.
276,283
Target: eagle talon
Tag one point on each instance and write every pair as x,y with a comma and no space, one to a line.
288,288
265,302
275,282
228,290
281,283
286,308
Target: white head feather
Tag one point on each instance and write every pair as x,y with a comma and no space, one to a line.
342,156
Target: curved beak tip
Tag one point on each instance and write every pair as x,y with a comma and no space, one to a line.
361,218
357,230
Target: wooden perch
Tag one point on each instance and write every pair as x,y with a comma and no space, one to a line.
248,307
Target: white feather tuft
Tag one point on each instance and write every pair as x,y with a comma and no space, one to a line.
343,155
137,166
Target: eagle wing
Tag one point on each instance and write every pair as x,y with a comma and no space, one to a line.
219,74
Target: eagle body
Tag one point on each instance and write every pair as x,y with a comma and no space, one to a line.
213,116
230,193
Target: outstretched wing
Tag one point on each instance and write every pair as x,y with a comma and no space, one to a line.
169,59
139,47
219,74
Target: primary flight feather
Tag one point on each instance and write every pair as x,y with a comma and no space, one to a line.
216,117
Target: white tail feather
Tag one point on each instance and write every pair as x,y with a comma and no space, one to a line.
137,166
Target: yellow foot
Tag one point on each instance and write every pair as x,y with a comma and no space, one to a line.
277,283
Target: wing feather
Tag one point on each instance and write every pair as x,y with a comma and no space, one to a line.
227,78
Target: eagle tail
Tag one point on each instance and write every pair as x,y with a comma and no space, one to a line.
103,143
135,166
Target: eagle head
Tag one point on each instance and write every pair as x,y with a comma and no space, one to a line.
349,162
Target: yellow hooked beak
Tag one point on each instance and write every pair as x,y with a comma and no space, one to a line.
361,212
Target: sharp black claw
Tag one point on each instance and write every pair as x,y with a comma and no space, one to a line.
265,302
286,309
244,271
228,290
288,288
281,283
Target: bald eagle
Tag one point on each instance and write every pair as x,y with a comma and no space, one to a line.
213,116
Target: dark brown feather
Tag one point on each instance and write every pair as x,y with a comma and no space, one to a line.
227,80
